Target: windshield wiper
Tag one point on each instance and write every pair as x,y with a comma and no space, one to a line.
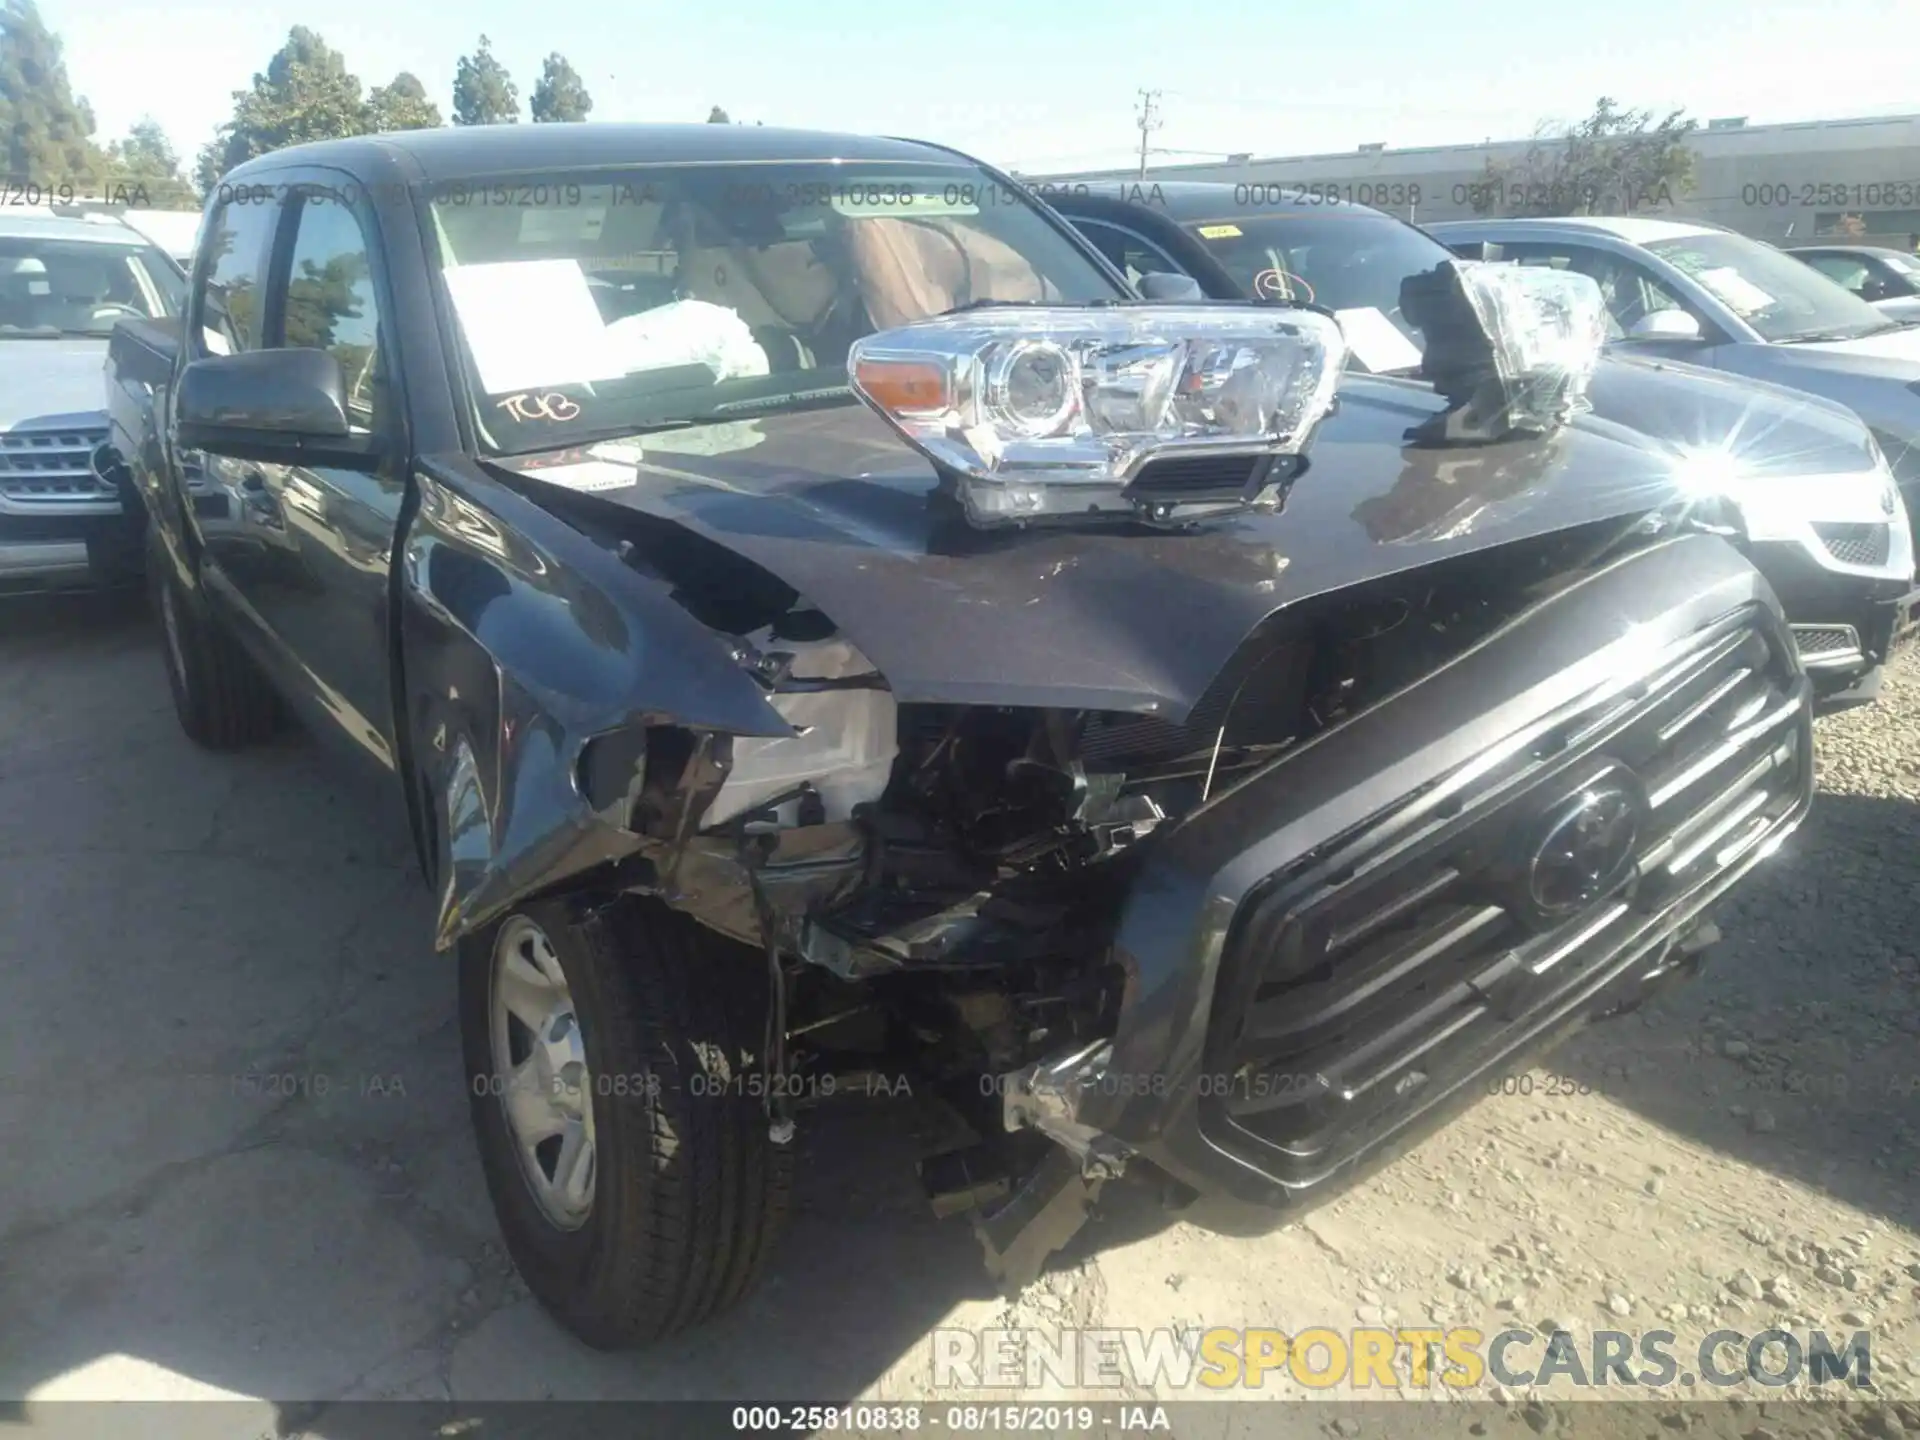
1821,337
988,302
31,332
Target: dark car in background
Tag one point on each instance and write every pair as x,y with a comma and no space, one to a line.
65,512
1889,280
1839,551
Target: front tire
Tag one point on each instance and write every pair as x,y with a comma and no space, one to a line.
222,700
611,1055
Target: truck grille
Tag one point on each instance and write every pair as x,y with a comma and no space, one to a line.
1857,544
1384,970
51,466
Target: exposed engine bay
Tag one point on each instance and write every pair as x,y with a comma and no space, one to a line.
935,887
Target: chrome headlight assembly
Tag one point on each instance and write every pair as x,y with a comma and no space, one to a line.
1158,412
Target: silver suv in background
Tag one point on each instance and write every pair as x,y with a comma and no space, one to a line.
65,513
1708,296
1888,280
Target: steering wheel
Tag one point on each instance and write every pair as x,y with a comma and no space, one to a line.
107,309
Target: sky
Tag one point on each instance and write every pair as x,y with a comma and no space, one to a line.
1039,87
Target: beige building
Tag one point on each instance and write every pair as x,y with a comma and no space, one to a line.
1783,183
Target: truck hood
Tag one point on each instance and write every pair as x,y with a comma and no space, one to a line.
52,382
837,506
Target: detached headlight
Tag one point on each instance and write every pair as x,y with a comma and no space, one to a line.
1047,412
1513,347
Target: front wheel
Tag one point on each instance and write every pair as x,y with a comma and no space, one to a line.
610,1053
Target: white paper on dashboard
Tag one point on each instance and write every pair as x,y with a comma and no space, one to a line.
1730,285
585,475
1376,341
531,324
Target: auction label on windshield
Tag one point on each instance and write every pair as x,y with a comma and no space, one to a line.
532,324
1219,232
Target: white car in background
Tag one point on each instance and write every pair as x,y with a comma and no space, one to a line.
174,231
1708,296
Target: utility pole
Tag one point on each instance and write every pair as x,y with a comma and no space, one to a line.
1148,119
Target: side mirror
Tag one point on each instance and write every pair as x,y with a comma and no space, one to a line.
1169,285
1666,325
284,406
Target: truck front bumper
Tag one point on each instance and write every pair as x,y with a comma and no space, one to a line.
1323,962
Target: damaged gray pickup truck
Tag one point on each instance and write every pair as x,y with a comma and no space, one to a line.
820,621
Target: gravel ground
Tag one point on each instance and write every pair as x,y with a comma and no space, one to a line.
1741,1154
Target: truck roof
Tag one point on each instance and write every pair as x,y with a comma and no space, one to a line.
456,152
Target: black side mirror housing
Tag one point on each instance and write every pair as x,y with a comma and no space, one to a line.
1170,285
283,406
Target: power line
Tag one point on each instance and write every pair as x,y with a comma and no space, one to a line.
1148,119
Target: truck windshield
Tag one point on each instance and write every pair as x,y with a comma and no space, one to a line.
1346,260
605,304
53,287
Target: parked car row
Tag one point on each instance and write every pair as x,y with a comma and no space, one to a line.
823,613
66,512
1840,554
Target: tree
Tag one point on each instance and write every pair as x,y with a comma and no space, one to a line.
402,104
145,162
306,93
560,93
483,92
48,129
1613,162
717,116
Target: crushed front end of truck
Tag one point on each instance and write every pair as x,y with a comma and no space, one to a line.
1210,815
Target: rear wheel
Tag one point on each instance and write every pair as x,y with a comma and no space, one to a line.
221,698
629,1164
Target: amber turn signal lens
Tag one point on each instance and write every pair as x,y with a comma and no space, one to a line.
903,386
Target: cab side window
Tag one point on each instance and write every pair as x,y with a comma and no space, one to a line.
230,303
330,303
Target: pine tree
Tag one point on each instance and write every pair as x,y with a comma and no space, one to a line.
48,129
306,93
402,104
145,167
483,92
560,94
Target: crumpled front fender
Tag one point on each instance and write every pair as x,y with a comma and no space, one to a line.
520,641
